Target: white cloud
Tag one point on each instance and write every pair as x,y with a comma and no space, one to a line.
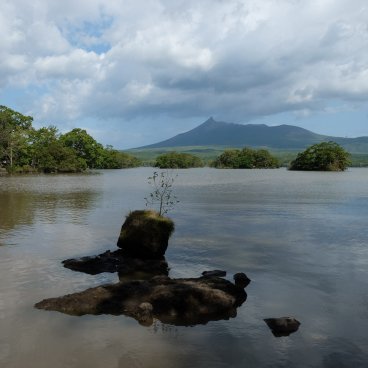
241,60
76,65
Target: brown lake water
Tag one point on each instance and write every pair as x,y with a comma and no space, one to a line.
302,238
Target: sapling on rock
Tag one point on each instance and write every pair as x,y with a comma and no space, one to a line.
162,195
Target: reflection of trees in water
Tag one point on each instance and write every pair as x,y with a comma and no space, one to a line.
21,208
14,210
72,205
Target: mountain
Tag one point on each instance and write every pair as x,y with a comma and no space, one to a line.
287,137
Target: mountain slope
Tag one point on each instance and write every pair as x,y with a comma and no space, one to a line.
212,132
288,137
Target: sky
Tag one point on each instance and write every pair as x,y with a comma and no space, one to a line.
135,72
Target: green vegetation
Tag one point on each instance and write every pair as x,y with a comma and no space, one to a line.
153,218
209,153
246,158
26,149
114,159
148,156
145,235
13,138
359,160
175,160
325,156
162,195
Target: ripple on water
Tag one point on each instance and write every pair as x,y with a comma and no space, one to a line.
300,237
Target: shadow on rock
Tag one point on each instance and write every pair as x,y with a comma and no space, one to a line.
181,302
143,241
117,262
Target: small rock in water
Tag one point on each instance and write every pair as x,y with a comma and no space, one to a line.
241,279
217,273
282,326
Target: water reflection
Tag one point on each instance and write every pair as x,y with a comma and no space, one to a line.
21,208
345,354
15,208
126,267
302,238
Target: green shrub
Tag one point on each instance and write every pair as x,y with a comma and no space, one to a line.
246,158
325,156
175,160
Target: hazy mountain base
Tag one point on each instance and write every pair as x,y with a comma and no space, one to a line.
209,153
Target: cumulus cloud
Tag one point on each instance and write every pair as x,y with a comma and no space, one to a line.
160,60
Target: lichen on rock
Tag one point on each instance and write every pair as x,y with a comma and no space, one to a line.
145,234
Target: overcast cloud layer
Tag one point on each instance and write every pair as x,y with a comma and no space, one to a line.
136,72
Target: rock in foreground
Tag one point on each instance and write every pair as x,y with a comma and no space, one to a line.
117,262
282,326
145,234
173,301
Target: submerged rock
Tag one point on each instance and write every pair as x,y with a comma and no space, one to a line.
241,279
186,301
117,262
217,273
282,326
145,234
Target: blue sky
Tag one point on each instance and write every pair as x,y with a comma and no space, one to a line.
136,72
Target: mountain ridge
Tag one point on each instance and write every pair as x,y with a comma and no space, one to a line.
288,137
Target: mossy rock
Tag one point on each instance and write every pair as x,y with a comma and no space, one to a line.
179,302
145,234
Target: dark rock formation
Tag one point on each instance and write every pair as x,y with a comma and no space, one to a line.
241,279
282,326
145,234
117,262
173,301
145,292
218,273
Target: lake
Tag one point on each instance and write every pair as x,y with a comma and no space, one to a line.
301,237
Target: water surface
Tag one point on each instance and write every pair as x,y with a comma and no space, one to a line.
300,236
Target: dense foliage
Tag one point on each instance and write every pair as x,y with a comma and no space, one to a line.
246,158
26,149
325,156
175,160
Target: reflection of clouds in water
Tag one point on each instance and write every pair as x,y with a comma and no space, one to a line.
4,351
300,236
345,354
213,344
168,351
130,359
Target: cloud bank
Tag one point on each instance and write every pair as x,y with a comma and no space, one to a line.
145,69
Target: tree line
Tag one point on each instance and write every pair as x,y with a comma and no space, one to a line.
176,160
324,156
26,149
